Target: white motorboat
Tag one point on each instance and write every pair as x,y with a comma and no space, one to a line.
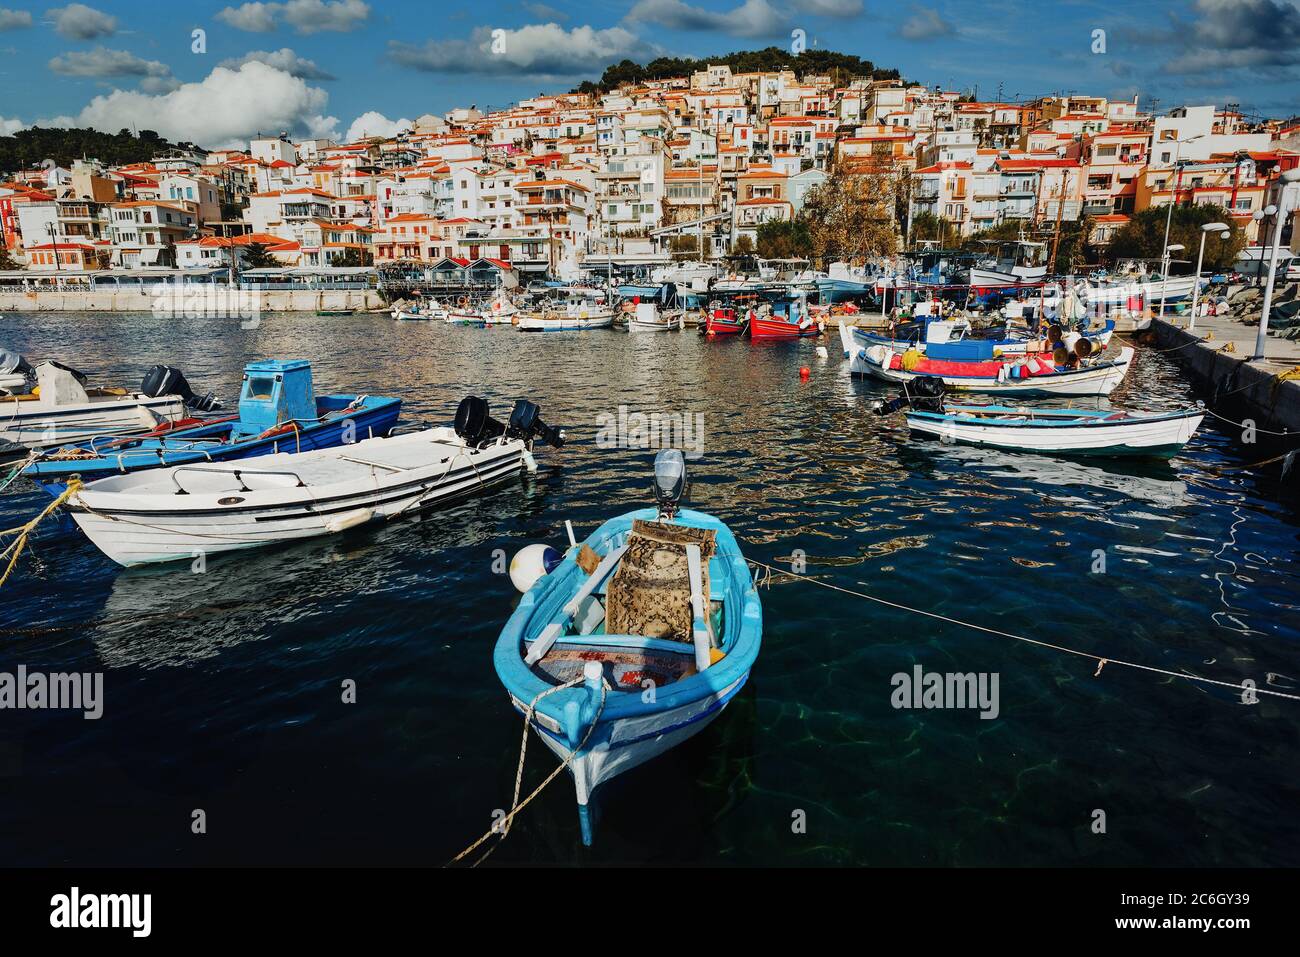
50,405
648,318
177,513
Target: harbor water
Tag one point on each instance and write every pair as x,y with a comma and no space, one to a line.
224,689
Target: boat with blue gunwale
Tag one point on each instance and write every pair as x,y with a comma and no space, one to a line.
278,412
635,641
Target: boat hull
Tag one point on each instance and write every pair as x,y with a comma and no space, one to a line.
48,427
762,327
603,320
1118,435
133,529
602,730
375,418
1097,380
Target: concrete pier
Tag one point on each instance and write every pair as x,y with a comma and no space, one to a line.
1216,355
143,300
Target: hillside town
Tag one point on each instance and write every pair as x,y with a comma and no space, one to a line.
686,167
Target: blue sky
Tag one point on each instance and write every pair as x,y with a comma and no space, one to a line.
318,65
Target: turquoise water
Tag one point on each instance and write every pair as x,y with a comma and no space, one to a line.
223,689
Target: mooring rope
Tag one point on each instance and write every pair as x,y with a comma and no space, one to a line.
15,548
502,827
1101,660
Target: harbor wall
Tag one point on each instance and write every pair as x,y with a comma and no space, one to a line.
137,300
1237,387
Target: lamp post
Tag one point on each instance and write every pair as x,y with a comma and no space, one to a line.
49,228
1164,272
1169,218
1289,179
1259,216
1224,233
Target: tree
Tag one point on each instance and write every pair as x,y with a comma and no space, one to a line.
929,227
743,246
352,257
784,239
1142,237
851,216
685,246
7,261
256,257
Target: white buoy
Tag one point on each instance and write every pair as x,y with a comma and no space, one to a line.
822,353
530,563
530,463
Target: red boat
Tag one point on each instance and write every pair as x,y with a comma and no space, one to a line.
723,322
779,327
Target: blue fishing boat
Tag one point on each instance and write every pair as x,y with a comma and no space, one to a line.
278,412
635,641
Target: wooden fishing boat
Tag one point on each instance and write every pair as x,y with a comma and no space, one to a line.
648,318
725,321
1061,431
613,666
923,334
278,411
1027,376
171,514
1095,432
50,405
774,326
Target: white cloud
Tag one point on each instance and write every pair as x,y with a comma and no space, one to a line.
80,22
104,62
314,16
543,11
544,49
225,108
10,127
374,123
14,19
753,18
305,16
831,8
251,17
282,59
925,23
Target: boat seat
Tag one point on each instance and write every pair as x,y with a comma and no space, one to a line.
650,593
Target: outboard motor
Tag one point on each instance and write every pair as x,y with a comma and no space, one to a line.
166,380
669,482
526,423
474,424
924,394
16,373
11,363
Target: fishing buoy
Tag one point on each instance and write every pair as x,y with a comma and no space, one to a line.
530,463
804,373
532,562
822,353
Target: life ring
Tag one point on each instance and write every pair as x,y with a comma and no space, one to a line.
463,301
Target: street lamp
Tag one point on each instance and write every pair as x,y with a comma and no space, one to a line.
1169,217
1289,179
1224,233
1259,216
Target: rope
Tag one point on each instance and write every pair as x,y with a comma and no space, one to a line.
1242,425
1101,660
517,806
15,548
